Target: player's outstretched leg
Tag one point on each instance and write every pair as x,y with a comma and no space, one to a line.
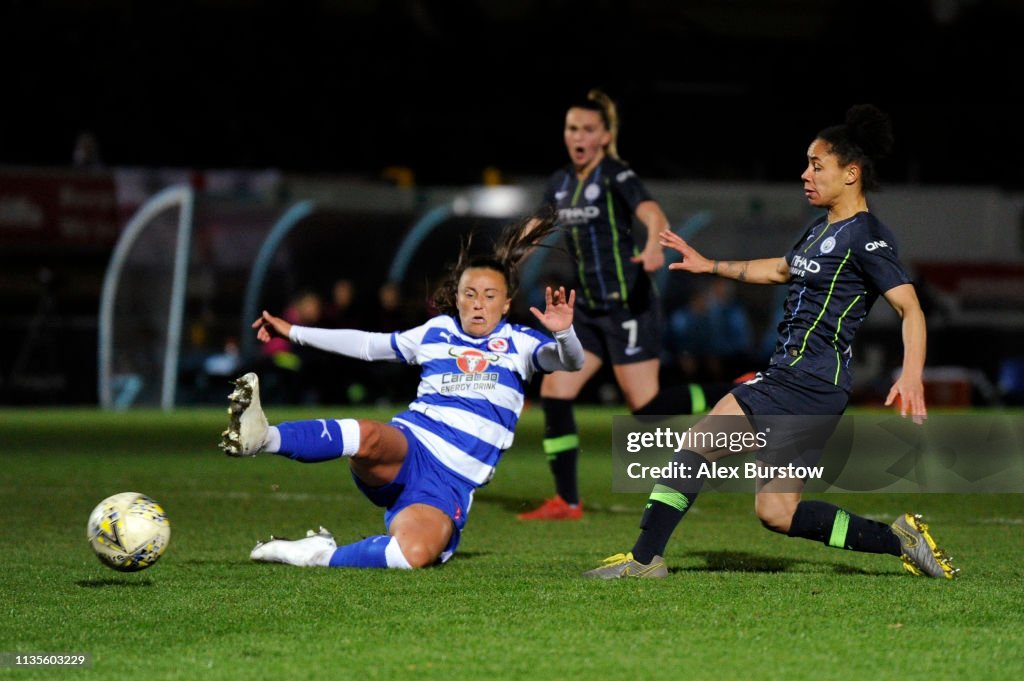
319,549
315,549
247,428
624,565
921,556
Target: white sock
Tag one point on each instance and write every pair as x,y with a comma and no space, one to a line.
273,442
393,554
350,436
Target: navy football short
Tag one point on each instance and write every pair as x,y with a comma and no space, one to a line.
423,479
620,336
799,411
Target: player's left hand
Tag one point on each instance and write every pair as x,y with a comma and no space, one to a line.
691,260
908,395
558,309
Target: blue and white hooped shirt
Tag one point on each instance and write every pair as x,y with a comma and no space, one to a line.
471,391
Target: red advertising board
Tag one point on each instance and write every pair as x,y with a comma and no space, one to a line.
59,209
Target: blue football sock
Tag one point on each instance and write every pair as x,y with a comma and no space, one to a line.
311,441
368,553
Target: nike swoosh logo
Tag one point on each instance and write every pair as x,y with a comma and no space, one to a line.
629,572
632,351
907,539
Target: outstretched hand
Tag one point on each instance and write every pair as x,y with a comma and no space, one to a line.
267,323
908,395
557,314
692,261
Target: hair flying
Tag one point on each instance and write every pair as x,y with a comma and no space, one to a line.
514,243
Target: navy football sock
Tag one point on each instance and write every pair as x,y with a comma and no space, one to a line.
835,527
666,506
561,444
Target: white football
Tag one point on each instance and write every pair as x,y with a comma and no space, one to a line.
128,531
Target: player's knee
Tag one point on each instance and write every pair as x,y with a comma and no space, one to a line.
370,436
418,553
775,514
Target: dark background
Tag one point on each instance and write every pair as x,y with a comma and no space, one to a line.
716,90
708,89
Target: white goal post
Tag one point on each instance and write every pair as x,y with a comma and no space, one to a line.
118,388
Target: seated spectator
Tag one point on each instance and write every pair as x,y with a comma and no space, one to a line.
342,311
282,362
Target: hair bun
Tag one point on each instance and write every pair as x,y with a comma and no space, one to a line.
871,129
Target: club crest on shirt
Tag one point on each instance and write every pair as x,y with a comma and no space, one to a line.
591,192
828,245
498,345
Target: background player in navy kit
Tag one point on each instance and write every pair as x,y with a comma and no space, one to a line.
619,316
836,271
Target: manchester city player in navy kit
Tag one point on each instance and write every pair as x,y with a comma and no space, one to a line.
845,260
424,465
619,316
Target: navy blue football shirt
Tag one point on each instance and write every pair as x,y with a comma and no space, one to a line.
837,273
597,216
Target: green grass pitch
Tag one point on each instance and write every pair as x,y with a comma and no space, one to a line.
741,602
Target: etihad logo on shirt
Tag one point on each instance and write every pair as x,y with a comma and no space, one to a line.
802,266
578,215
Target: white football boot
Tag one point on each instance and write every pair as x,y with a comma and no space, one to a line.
247,428
315,549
